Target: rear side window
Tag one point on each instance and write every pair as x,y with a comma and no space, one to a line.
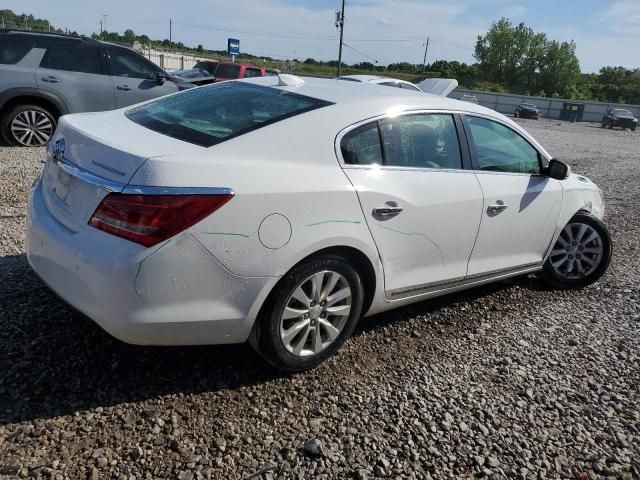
227,71
73,58
210,115
252,72
13,48
361,146
421,141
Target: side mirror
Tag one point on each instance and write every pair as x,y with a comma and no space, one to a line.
160,78
557,170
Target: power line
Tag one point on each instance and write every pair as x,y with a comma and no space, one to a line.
361,53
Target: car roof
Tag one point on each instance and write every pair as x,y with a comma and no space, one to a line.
370,96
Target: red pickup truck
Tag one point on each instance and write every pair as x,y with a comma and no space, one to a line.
231,71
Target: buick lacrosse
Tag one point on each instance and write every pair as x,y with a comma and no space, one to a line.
280,211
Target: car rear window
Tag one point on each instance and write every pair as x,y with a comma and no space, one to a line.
225,70
210,115
13,48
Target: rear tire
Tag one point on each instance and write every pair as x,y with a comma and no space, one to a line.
580,256
310,314
27,126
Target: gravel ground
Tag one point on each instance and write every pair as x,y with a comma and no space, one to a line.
512,380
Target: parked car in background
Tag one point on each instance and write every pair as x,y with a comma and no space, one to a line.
233,71
171,224
196,76
208,65
527,110
469,98
44,76
377,80
620,117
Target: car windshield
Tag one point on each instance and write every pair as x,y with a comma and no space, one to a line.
210,115
623,113
528,105
193,73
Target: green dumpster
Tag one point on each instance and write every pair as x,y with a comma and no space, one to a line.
572,112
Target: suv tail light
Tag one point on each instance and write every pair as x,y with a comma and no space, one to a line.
150,219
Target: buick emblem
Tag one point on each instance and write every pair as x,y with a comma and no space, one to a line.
58,149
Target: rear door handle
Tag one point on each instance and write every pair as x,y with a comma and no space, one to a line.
50,79
126,88
387,211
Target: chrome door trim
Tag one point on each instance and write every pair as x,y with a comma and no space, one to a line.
441,288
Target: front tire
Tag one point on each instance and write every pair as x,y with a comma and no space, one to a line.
27,126
581,254
310,314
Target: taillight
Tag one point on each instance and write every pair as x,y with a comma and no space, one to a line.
150,219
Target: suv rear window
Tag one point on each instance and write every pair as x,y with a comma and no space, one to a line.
13,48
210,115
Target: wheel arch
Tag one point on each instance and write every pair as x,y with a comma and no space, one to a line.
356,257
41,98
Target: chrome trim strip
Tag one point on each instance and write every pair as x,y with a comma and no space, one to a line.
155,190
118,187
88,177
441,288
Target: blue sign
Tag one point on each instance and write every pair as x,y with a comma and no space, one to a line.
233,46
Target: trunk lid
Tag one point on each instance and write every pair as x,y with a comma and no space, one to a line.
94,154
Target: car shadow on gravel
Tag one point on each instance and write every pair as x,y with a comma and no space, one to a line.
55,361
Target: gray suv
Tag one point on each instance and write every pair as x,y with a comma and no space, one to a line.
44,76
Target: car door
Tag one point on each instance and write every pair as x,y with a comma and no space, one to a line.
422,207
76,73
134,78
521,205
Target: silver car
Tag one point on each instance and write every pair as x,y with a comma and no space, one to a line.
45,76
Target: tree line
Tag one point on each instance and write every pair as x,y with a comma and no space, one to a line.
509,59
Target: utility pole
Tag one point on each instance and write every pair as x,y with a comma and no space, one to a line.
340,25
2,17
103,24
424,61
25,21
170,32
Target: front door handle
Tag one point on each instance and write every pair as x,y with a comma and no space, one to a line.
126,88
388,211
497,208
50,79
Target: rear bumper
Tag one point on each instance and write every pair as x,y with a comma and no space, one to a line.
175,293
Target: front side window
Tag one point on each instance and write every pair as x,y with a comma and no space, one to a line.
210,115
500,149
13,48
125,63
73,58
421,141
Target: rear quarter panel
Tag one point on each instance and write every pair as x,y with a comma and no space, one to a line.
292,198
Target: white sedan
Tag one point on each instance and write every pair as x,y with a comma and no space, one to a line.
281,211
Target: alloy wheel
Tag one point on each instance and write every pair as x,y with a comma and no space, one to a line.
315,314
578,251
31,128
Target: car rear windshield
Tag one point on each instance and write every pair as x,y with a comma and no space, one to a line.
622,112
210,115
